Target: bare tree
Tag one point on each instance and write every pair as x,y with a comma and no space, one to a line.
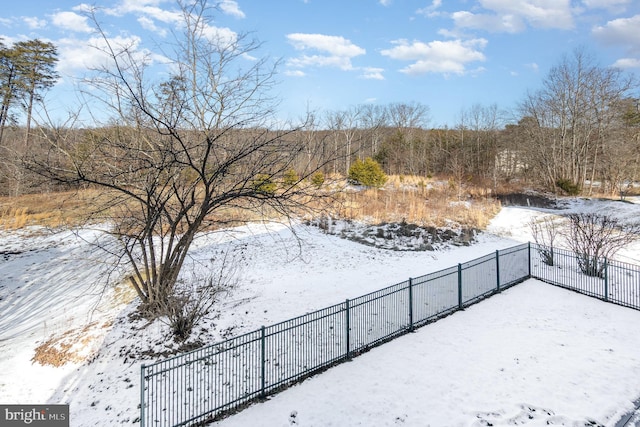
545,232
569,121
595,237
345,128
184,154
408,119
619,154
373,120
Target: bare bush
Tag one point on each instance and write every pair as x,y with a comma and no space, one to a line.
545,232
594,238
194,297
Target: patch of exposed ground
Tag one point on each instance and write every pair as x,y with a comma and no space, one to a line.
399,236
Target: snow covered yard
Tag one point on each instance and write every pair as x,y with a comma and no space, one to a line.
534,354
505,361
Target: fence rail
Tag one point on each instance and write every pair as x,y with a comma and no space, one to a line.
615,281
199,386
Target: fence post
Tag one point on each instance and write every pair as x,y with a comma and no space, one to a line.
410,304
606,280
460,286
497,270
262,361
142,387
529,257
348,327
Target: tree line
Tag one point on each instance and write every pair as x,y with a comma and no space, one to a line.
581,129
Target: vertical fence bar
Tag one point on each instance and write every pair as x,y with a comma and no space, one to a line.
142,383
606,279
348,327
460,286
529,256
410,304
262,361
497,271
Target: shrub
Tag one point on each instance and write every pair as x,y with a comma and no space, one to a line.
545,233
368,173
317,179
595,237
196,295
290,178
568,186
264,184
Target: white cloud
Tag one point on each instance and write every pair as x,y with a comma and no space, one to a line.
334,45
82,55
162,15
71,21
220,36
512,16
150,25
620,31
615,6
494,23
431,10
83,8
9,40
385,2
626,63
149,14
446,57
372,73
320,61
539,13
533,66
34,23
295,73
230,7
148,9
335,51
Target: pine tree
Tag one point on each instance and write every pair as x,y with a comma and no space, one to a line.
9,86
26,70
36,73
368,173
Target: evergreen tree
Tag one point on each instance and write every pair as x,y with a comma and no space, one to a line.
36,73
9,86
368,173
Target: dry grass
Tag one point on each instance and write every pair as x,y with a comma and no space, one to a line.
47,209
69,347
80,344
424,201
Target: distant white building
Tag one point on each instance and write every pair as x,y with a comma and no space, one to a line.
510,162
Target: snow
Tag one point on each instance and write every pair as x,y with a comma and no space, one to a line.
533,354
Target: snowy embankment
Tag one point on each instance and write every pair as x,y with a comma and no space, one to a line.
509,359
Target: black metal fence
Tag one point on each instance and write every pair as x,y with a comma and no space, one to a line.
204,384
614,281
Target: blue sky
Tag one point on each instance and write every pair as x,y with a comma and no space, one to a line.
448,55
